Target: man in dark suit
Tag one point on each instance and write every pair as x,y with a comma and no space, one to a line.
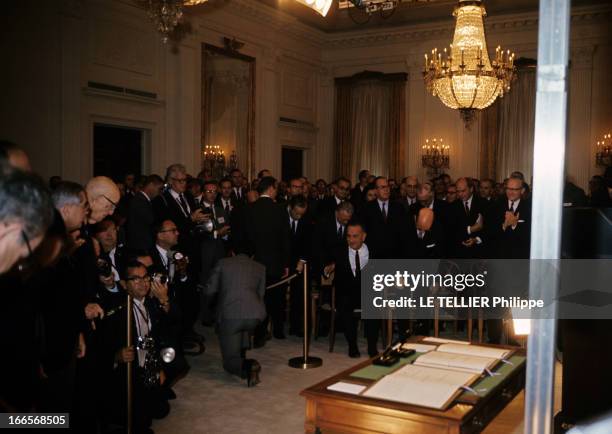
510,233
140,218
173,204
299,242
267,234
347,265
213,245
467,220
327,206
357,194
182,286
510,227
330,234
239,284
238,192
383,220
425,199
225,199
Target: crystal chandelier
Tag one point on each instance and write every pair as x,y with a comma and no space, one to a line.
166,14
464,78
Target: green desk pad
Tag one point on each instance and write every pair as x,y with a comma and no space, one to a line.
483,386
488,383
376,372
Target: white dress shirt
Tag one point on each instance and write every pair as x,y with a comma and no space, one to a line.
364,256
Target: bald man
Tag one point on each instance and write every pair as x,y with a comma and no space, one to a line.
430,243
14,156
103,196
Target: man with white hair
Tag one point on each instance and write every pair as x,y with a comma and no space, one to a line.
25,214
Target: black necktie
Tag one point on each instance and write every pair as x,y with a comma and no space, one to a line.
293,227
384,212
512,206
467,208
340,233
357,265
183,205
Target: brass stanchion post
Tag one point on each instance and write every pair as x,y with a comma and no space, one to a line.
305,361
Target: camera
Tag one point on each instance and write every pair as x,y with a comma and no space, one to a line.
104,268
160,278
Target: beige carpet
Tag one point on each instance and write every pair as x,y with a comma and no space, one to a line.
212,401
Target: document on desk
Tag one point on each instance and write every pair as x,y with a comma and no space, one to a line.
419,348
475,350
421,385
344,387
435,340
455,361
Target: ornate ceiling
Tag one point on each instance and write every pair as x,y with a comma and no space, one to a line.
413,11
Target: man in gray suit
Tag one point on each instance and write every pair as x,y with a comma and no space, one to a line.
239,284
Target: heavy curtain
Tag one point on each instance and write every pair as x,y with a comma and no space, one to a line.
370,132
507,129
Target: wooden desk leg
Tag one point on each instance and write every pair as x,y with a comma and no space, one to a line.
436,321
332,320
469,325
480,326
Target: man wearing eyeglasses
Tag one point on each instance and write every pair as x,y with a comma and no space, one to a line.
510,234
25,214
174,204
153,314
327,206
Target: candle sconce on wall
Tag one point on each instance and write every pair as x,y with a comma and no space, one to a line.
435,156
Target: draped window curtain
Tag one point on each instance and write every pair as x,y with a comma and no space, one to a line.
507,129
370,132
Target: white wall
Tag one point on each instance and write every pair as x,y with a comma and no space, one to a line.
55,48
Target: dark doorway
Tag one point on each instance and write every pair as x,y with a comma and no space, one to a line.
292,163
117,151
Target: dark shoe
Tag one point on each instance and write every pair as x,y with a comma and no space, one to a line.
259,343
279,335
354,353
372,353
251,369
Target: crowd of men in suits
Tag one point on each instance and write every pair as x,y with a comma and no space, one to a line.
194,248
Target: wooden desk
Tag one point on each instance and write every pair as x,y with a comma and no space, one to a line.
335,412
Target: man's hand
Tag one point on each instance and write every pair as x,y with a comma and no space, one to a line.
108,282
93,310
198,216
469,242
159,291
510,219
81,347
125,355
476,227
180,267
329,269
221,232
300,266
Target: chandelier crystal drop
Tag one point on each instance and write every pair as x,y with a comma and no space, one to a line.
167,14
464,77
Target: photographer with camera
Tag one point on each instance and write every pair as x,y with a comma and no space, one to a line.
173,266
152,313
213,243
